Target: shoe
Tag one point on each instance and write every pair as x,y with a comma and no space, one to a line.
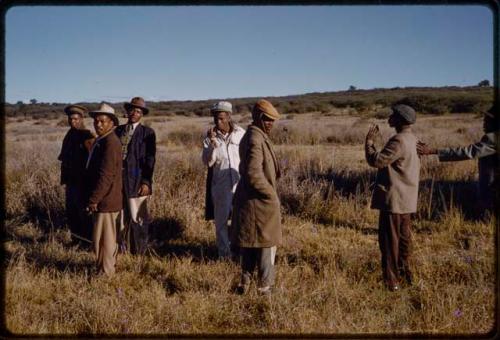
393,287
267,290
242,289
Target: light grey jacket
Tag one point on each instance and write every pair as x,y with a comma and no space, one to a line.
486,151
396,186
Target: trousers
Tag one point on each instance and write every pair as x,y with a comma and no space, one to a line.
80,224
135,235
106,226
263,258
394,236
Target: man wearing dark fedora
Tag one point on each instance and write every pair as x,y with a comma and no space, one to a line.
104,182
73,157
138,156
485,151
396,193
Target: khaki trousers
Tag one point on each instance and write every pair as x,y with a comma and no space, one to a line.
106,225
394,235
264,259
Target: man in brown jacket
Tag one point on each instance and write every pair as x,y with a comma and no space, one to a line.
104,176
395,193
73,158
257,219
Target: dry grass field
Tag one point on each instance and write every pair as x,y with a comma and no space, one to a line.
328,268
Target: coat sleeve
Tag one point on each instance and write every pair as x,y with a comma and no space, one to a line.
255,169
485,147
390,153
150,159
106,172
208,153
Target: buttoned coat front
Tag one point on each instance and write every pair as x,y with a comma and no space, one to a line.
256,212
104,174
139,164
396,186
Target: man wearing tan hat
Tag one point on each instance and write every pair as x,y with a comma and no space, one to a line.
104,181
139,156
256,217
221,155
485,151
73,157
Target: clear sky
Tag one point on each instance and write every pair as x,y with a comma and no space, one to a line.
112,53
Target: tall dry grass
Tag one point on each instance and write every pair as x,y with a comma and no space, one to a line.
328,268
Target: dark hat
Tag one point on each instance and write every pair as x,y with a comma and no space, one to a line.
106,110
137,102
265,107
406,112
78,109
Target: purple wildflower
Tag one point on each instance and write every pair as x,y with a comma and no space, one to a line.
457,313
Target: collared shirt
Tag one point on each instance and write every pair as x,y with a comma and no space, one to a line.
224,158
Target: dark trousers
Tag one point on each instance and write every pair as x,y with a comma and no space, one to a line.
80,224
261,257
394,236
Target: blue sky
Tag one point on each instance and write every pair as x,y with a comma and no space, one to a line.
112,53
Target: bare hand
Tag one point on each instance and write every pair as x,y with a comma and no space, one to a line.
423,149
211,133
372,132
92,207
144,190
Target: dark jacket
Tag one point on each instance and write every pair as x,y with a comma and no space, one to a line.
139,164
104,174
74,156
256,211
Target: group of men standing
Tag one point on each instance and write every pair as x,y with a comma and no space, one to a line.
115,171
108,180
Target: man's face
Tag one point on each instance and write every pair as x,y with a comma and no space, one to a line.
265,123
102,124
75,120
393,120
134,115
221,121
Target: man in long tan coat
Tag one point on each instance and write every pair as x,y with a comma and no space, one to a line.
257,219
395,193
104,182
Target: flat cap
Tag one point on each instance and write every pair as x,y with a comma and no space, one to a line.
265,107
406,112
222,106
72,109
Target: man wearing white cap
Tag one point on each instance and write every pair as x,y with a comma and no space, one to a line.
220,154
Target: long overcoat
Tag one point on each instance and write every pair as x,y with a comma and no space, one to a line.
139,164
256,211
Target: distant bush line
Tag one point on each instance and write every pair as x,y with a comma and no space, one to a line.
426,100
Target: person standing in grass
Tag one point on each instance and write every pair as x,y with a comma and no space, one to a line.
73,157
256,217
139,156
395,193
104,181
220,155
485,151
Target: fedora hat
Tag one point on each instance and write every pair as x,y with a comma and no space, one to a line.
78,109
137,102
106,110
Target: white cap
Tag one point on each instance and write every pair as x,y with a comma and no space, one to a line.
222,106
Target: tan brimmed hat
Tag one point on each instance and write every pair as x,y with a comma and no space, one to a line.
265,107
107,110
137,102
78,109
